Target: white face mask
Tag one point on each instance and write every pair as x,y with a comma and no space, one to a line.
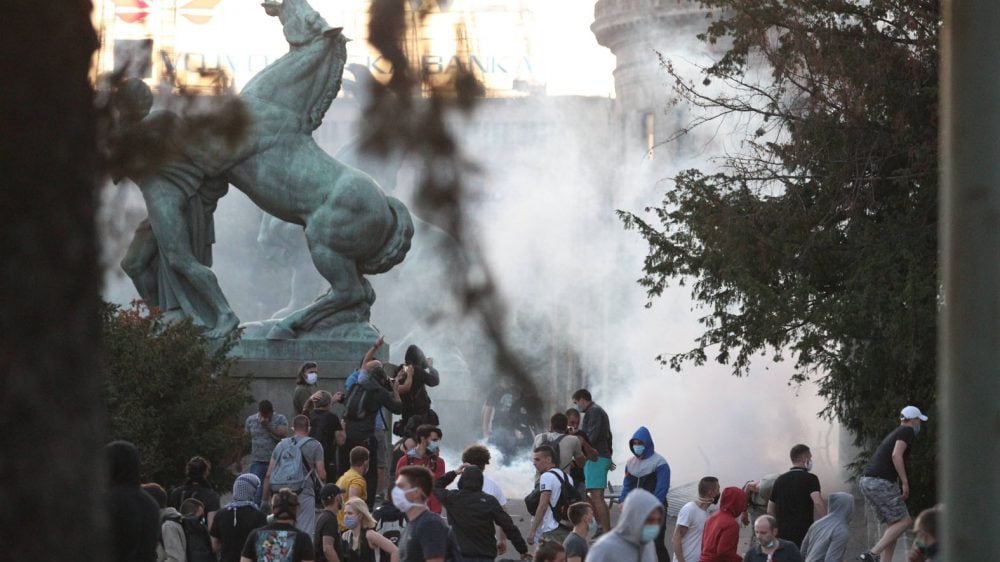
400,500
311,378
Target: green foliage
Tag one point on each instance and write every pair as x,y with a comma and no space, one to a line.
167,391
818,239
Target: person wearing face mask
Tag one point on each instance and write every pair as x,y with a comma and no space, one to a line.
426,454
796,495
769,547
581,515
632,538
878,483
426,536
305,386
472,514
722,531
362,541
686,539
648,470
925,547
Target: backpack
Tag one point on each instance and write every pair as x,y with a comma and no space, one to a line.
290,468
198,545
390,524
356,403
568,495
554,444
432,463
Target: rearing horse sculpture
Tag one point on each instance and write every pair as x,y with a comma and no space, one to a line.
353,228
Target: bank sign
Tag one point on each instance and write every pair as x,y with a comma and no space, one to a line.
189,39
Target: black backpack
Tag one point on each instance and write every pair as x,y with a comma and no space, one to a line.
198,544
568,495
356,403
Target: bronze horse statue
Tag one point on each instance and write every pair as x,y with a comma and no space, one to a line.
352,227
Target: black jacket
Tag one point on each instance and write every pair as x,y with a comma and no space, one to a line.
472,514
133,514
378,396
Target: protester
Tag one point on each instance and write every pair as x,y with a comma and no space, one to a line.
133,516
925,547
280,540
648,470
352,483
550,551
505,419
758,494
366,401
796,495
589,453
479,456
827,538
632,539
233,523
473,514
721,536
416,375
878,483
544,524
266,428
196,486
198,544
426,534
686,539
362,541
326,539
769,547
312,461
305,386
325,427
383,421
426,454
172,546
581,516
566,446
597,428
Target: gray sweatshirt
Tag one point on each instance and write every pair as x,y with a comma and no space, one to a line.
622,543
826,540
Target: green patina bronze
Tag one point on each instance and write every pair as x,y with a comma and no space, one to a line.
353,228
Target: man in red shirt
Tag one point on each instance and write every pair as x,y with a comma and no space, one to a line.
426,454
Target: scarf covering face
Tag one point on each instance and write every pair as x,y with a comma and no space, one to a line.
244,490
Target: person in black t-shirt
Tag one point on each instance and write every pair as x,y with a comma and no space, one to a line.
197,487
279,540
878,483
327,536
796,494
325,427
233,523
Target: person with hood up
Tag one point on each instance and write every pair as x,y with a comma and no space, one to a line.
376,394
233,523
826,540
173,544
632,538
721,536
472,514
416,374
648,470
133,515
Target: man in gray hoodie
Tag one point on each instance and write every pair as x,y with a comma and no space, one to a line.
826,540
632,538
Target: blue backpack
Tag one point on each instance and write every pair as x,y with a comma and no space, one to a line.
290,468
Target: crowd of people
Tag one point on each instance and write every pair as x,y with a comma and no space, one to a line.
323,487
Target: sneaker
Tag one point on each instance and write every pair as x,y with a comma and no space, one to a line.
869,557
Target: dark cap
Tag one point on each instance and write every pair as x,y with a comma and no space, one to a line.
329,491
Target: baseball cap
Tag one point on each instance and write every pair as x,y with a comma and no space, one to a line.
329,490
911,412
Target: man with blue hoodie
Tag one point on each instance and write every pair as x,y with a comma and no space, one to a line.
648,470
632,538
826,540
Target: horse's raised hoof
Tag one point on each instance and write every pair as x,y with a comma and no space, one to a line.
279,332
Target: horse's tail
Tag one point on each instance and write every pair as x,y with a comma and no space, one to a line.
396,246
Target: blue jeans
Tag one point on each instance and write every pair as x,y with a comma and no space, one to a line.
259,469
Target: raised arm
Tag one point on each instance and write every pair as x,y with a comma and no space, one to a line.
370,354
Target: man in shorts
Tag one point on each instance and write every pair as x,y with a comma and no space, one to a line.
597,428
878,483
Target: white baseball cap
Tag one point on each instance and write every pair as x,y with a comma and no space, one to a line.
911,412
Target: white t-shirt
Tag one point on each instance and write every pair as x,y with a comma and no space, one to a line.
491,488
692,517
549,482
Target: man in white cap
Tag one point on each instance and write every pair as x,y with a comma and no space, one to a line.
878,483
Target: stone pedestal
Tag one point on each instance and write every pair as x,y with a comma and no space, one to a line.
272,366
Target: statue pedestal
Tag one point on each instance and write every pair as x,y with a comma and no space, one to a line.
273,365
